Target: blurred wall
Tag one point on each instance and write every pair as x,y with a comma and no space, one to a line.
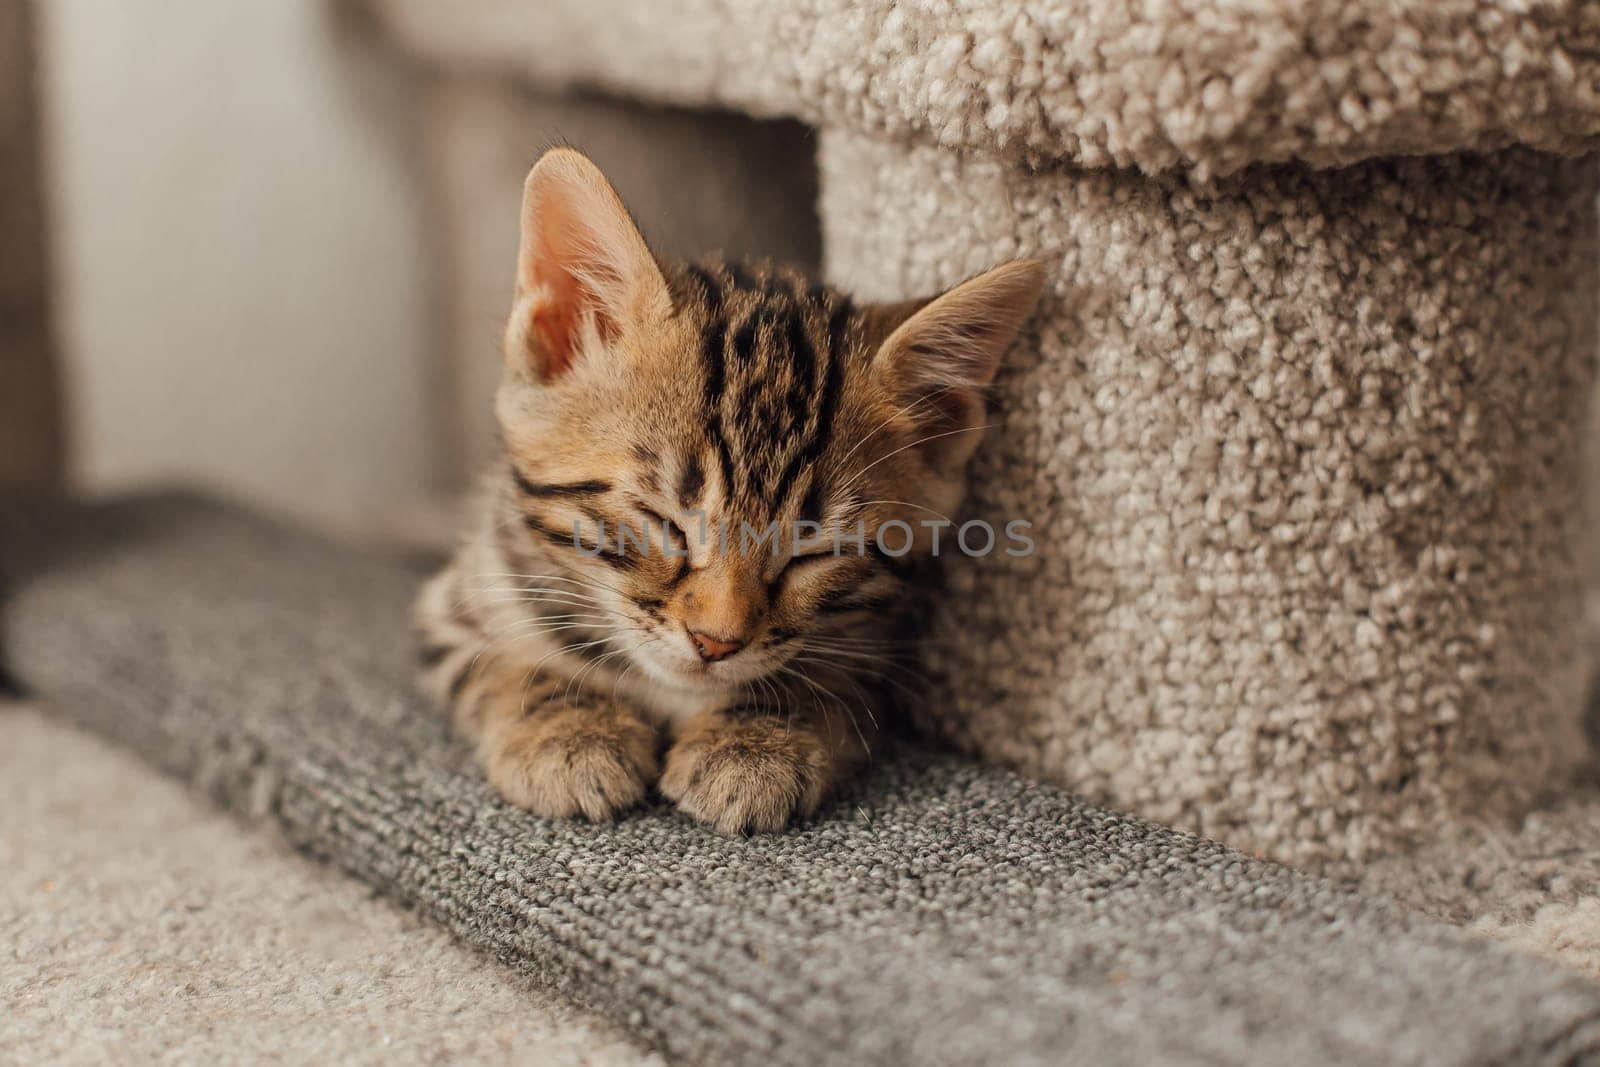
242,287
30,416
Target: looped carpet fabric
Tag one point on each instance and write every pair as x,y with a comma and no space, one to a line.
1301,454
938,913
1175,84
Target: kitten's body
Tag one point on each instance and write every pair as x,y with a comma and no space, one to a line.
707,405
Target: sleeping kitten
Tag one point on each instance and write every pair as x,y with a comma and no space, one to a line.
618,596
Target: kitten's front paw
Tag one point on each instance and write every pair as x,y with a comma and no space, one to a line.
589,761
742,774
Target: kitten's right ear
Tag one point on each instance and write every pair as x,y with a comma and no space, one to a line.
583,269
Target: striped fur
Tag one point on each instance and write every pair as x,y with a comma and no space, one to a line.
729,396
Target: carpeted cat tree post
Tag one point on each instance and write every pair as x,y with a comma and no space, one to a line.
1299,447
1298,425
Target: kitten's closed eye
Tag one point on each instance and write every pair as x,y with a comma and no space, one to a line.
807,567
676,535
671,532
808,561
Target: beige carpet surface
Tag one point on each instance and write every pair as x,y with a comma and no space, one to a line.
137,925
1152,84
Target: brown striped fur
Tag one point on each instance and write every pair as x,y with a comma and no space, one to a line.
639,394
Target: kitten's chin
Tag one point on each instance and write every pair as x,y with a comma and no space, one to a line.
696,678
692,677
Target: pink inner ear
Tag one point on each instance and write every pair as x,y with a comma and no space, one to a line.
561,274
573,266
554,337
947,410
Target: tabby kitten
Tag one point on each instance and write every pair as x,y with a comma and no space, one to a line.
612,602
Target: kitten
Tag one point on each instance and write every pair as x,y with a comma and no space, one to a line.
690,408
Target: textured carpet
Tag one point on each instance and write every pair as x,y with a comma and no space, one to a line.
141,927
1146,84
1304,578
939,913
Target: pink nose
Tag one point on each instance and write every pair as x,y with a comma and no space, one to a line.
711,648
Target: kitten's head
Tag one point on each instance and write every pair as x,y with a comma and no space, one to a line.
708,405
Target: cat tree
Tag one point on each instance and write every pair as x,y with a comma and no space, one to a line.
1298,425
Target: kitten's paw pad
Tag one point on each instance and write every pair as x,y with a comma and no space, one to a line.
577,761
739,776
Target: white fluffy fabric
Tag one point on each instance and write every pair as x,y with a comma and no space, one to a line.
142,927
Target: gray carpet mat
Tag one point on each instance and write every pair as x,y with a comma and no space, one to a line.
938,912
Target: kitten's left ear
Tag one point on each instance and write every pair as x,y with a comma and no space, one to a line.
941,354
583,266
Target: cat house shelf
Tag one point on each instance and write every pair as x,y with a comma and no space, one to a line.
1299,421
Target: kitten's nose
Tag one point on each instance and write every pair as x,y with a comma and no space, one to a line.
711,648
